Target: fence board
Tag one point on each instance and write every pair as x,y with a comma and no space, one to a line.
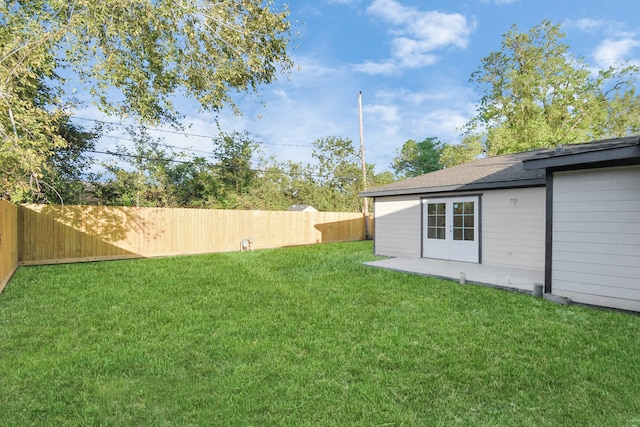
8,241
53,234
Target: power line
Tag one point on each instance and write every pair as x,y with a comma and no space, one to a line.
186,162
213,165
184,133
158,143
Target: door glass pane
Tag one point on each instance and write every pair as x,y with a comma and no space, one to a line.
436,220
463,221
468,207
468,221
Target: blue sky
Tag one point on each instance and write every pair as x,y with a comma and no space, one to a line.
411,59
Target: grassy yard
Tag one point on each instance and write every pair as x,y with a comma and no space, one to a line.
302,336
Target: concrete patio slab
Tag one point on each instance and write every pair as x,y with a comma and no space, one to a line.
517,279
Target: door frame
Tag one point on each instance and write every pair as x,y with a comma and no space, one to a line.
451,197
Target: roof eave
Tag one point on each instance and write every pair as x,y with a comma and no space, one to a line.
473,186
556,160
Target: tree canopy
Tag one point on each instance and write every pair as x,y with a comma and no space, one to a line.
418,158
132,57
536,94
235,175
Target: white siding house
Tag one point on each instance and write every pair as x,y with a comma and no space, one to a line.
513,228
566,217
596,236
397,230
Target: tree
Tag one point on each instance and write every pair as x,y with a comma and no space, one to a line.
67,174
268,187
67,170
456,154
535,94
29,125
193,183
133,57
418,158
146,182
234,154
338,175
378,179
300,186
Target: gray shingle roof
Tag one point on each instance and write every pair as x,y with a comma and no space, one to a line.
508,171
592,152
492,172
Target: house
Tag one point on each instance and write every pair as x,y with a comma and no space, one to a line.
567,219
302,208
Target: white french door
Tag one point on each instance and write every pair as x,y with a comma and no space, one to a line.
450,228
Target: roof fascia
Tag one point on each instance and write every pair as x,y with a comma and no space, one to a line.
589,157
535,182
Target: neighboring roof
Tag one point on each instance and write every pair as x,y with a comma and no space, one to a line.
302,208
488,173
606,150
526,169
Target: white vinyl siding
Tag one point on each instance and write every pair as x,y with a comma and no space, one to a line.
513,228
511,234
596,236
397,226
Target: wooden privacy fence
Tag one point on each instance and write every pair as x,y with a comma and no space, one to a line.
52,234
8,241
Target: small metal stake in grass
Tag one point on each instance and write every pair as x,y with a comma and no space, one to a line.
463,278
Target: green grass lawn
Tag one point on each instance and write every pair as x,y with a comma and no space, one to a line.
302,336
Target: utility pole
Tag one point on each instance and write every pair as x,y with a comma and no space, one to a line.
365,206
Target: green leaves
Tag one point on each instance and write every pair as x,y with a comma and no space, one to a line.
135,57
150,50
417,158
535,94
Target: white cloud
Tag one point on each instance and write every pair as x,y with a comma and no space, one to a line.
385,114
586,24
416,35
412,53
309,69
614,43
436,30
347,2
280,93
445,123
615,52
316,101
499,1
392,117
376,68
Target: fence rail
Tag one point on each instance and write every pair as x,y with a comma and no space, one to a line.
52,234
